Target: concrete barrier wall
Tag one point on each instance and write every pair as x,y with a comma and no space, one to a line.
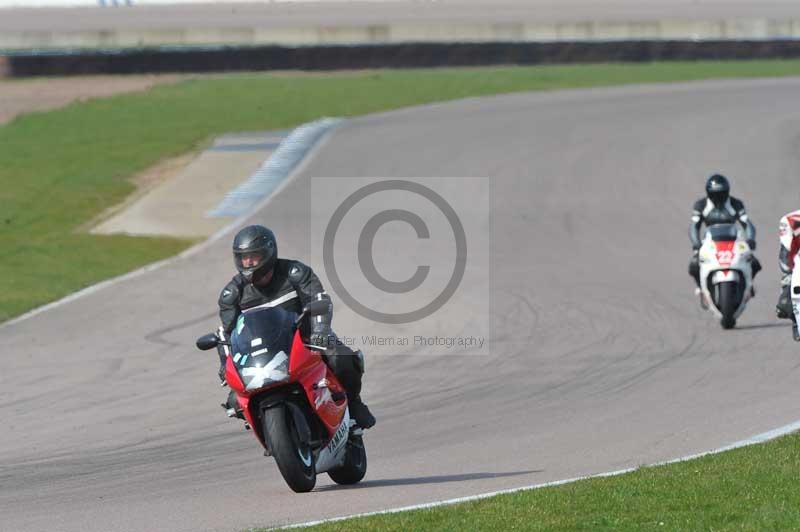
397,33
383,56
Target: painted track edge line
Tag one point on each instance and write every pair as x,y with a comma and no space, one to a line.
309,155
758,438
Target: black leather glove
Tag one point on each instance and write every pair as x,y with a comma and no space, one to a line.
752,244
322,336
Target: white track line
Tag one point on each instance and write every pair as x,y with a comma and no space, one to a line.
317,144
759,438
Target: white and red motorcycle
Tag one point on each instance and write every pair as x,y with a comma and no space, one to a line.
726,273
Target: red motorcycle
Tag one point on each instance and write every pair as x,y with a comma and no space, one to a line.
291,399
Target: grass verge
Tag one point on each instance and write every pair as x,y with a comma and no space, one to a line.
61,168
748,489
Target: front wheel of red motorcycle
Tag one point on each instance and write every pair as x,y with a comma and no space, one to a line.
295,459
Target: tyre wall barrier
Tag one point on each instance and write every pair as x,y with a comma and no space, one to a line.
371,56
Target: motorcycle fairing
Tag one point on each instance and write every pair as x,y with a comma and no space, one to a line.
725,252
319,383
260,346
725,258
333,454
724,276
267,353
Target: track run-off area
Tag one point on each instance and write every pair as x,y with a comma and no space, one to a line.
600,358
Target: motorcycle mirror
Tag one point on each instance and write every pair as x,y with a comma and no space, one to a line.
317,308
208,341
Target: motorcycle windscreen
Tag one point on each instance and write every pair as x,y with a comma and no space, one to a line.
723,232
260,346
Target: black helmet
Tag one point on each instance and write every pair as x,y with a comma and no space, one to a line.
256,246
718,189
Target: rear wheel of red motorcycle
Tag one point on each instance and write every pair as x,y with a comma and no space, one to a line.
295,459
355,463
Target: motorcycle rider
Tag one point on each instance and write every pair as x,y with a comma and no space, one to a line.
790,245
718,207
267,281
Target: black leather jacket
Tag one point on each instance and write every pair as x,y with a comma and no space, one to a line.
292,286
705,212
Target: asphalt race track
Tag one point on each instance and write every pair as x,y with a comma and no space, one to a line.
601,358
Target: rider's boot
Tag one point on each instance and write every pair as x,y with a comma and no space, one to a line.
231,406
795,332
756,265
702,297
360,413
784,307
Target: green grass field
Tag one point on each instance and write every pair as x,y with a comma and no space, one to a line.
62,168
748,489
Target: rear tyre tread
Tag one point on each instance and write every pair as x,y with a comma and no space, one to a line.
355,463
